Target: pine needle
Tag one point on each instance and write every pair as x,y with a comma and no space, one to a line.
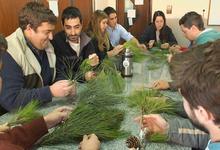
157,137
71,70
25,114
85,66
138,54
85,119
151,101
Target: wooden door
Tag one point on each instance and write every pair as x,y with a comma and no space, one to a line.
143,17
85,6
9,10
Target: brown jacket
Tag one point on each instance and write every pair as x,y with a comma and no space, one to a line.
23,137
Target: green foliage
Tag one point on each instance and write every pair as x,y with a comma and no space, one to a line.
109,78
25,114
85,119
151,101
138,54
157,137
156,58
85,66
105,89
70,71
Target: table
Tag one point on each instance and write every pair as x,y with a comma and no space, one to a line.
141,78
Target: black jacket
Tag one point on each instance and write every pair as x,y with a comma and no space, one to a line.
65,53
99,53
166,35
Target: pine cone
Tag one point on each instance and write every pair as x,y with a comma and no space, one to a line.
133,142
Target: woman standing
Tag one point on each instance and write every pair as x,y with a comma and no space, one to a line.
100,38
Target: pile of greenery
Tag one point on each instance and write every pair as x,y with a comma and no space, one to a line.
86,119
95,112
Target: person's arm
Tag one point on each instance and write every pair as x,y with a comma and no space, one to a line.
13,94
179,130
124,34
25,136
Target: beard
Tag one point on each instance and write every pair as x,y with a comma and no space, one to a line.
73,38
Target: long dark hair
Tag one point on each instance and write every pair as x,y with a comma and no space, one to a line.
163,36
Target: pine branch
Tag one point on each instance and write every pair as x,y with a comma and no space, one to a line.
85,119
25,114
151,101
138,54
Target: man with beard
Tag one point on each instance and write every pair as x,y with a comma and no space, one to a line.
199,84
72,45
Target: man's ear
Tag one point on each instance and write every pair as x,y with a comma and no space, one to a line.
28,27
204,114
194,28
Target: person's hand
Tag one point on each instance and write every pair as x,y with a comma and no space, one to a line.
93,60
160,85
142,47
174,49
154,123
151,43
169,57
118,49
90,142
63,88
164,46
4,128
57,116
90,75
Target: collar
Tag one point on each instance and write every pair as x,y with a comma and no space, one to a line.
213,145
111,28
32,47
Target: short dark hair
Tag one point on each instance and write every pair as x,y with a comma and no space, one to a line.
159,13
35,13
199,82
192,18
109,10
71,12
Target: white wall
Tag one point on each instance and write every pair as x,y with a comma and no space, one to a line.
179,8
101,4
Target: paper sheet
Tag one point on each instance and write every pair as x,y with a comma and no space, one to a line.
130,21
131,13
139,2
53,5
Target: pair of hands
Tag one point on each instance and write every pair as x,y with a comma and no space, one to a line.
63,88
154,123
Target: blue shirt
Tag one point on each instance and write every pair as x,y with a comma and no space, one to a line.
118,33
213,146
